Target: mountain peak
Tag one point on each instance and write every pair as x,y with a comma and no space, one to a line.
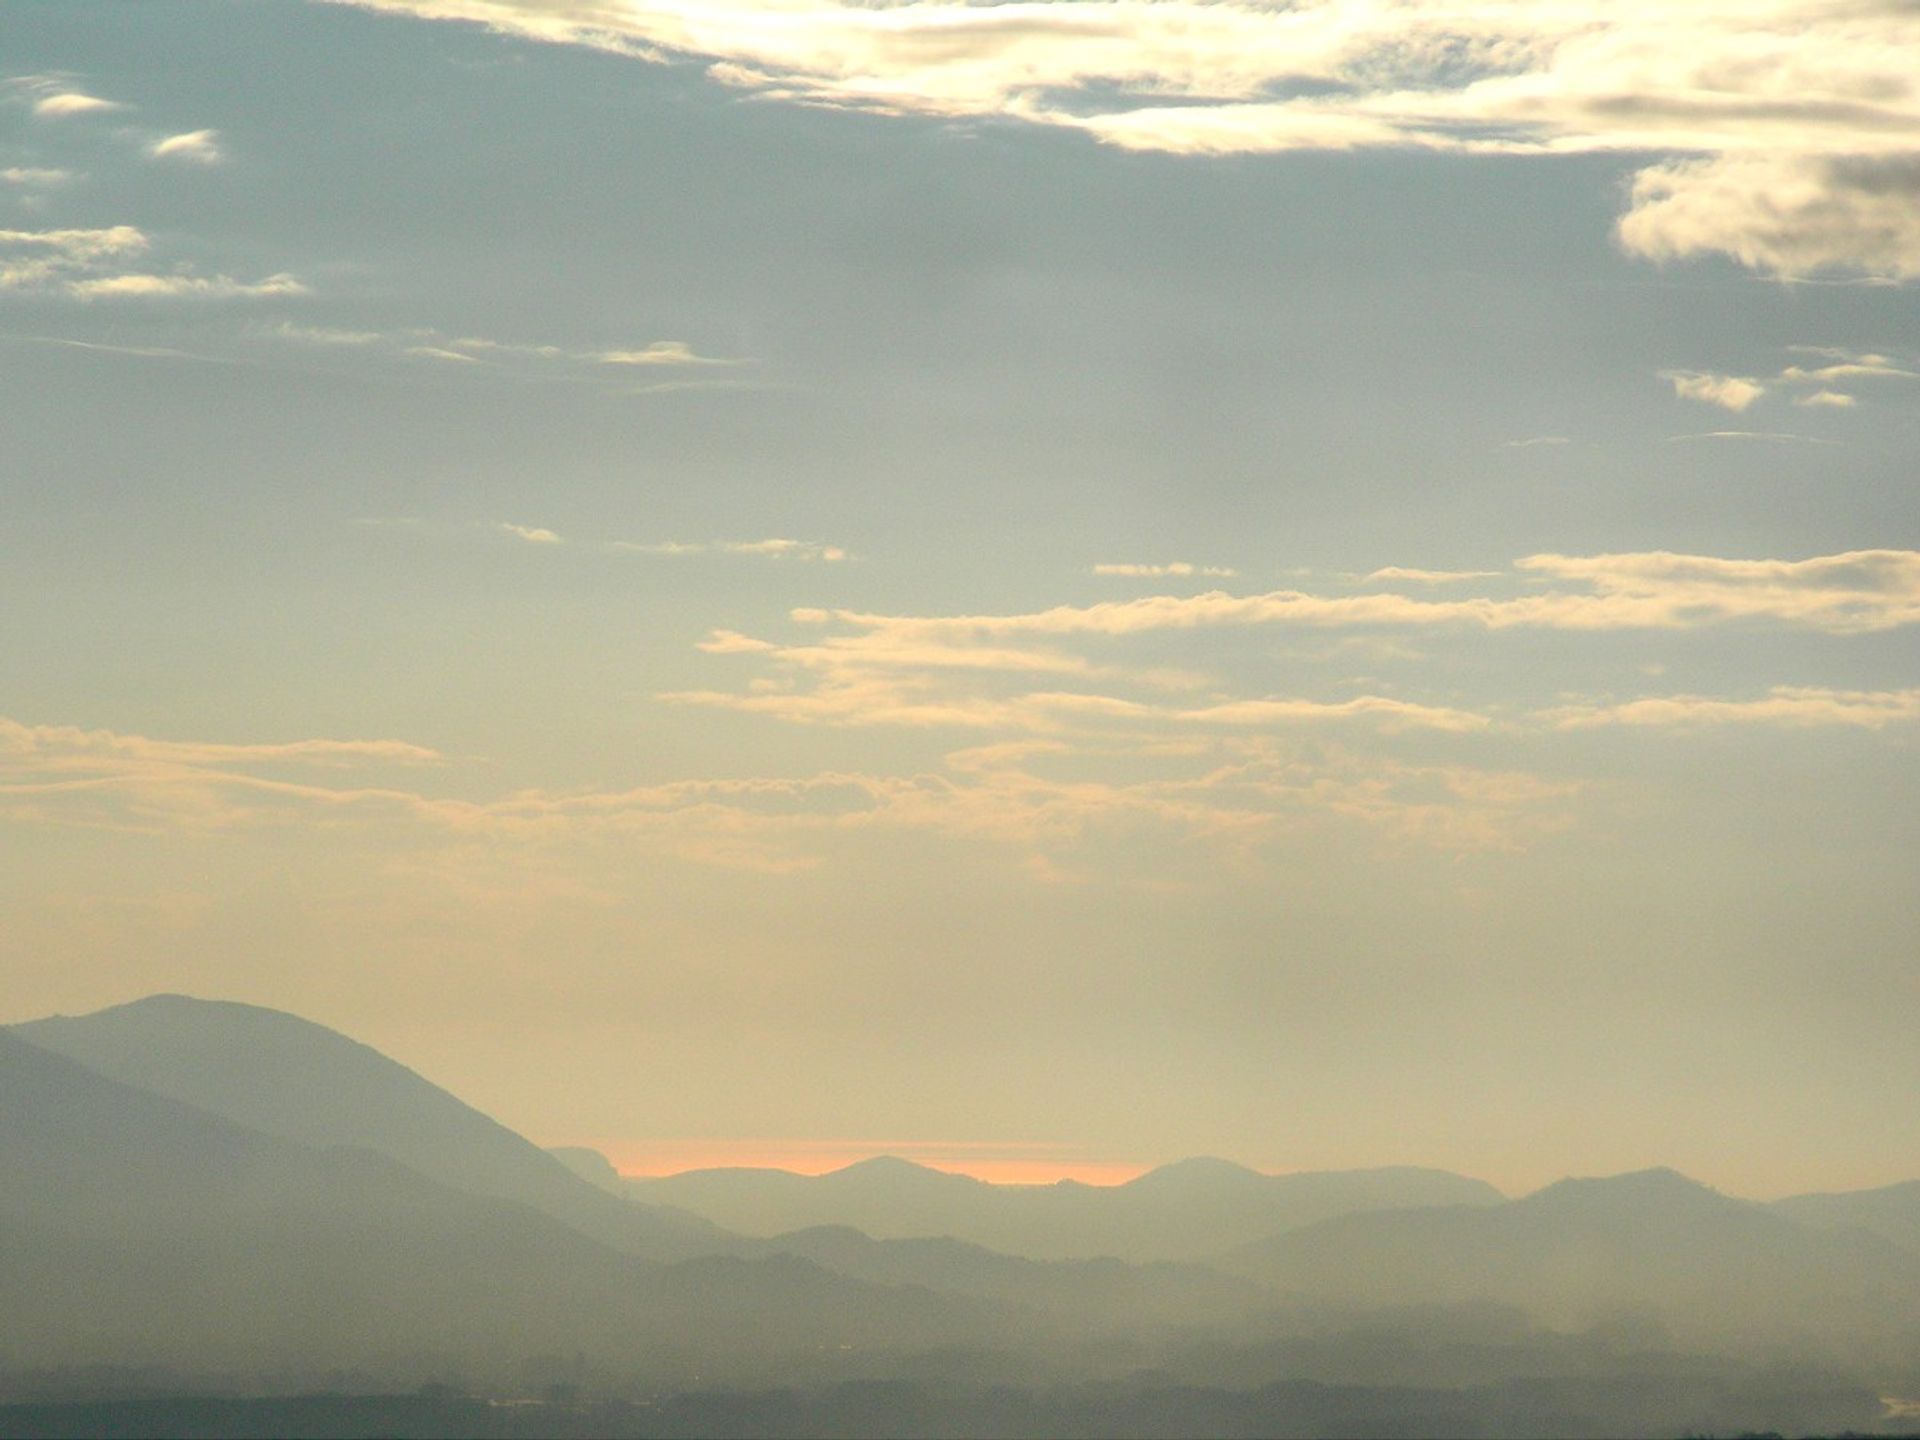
1660,1185
895,1169
1197,1170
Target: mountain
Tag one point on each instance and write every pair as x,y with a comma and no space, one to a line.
1586,1251
1891,1212
137,1230
286,1076
1105,1294
1184,1211
590,1165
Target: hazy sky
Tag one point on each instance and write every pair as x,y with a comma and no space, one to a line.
1042,585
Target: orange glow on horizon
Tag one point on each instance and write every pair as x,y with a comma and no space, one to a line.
999,1163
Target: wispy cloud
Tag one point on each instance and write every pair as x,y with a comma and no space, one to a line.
1404,575
34,175
1791,706
1730,392
1771,437
532,534
481,352
202,147
86,265
773,548
1842,367
1853,592
189,287
72,102
1231,795
1173,569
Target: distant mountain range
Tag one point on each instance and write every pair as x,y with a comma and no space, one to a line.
223,1187
1185,1211
1585,1251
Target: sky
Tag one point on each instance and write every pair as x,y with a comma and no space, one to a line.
1045,586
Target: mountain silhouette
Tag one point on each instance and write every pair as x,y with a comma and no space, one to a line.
1891,1212
1184,1211
140,1230
1582,1251
285,1076
1105,1293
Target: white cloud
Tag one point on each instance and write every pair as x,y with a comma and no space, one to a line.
1789,214
72,102
176,287
199,146
660,352
1730,392
31,259
1842,367
1791,124
84,265
1405,575
34,175
532,534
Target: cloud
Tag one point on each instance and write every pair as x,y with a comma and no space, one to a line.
1231,795
324,335
84,265
34,175
199,146
72,102
1403,574
1842,367
1789,126
660,352
1784,705
532,534
1535,440
506,356
1772,437
1730,392
32,259
1791,215
188,287
1175,568
776,548
1849,593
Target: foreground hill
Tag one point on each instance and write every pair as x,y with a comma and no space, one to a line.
1186,1211
139,1230
286,1076
1652,1244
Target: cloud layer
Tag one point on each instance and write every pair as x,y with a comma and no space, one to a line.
1794,125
